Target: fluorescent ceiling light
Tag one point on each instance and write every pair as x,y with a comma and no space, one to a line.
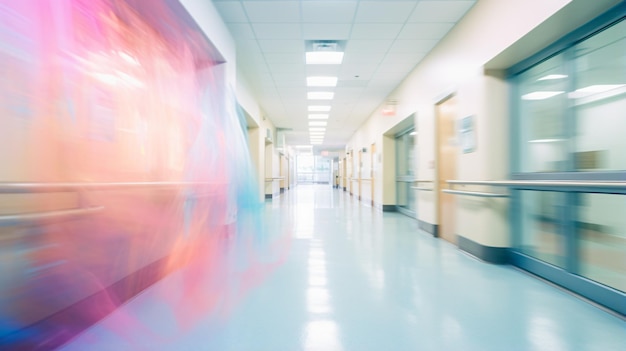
541,95
317,129
318,116
413,133
316,143
594,89
317,123
316,133
324,57
320,95
319,108
553,77
545,140
321,81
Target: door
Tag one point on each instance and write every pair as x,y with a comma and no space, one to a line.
343,174
360,170
447,151
372,168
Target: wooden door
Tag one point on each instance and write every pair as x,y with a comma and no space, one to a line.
360,170
372,168
447,151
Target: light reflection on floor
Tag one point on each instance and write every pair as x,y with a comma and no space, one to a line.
359,279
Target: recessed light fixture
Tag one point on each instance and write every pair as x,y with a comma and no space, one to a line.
321,81
545,140
318,116
317,123
319,108
320,95
317,129
553,77
324,57
541,95
324,52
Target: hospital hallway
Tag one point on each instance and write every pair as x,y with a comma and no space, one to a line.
358,279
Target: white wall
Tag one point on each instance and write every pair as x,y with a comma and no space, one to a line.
457,66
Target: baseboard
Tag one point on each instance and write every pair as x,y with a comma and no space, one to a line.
429,228
491,254
389,208
610,298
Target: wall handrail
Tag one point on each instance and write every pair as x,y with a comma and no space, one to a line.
421,188
473,193
547,183
18,188
36,217
423,180
605,187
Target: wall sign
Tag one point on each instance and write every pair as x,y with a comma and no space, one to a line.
467,134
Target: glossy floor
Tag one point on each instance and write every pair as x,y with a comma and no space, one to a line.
357,279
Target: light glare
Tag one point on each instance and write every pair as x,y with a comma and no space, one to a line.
324,58
320,95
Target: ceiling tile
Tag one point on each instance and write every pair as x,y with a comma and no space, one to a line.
272,11
355,47
393,59
363,71
284,57
289,83
388,75
287,68
425,30
326,31
277,30
371,58
384,11
286,77
241,31
375,30
296,46
421,46
440,11
328,11
231,11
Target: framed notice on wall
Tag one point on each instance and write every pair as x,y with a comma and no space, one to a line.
467,134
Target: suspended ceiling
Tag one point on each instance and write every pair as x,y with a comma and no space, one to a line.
384,40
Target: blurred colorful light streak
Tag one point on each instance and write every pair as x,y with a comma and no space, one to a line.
122,106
